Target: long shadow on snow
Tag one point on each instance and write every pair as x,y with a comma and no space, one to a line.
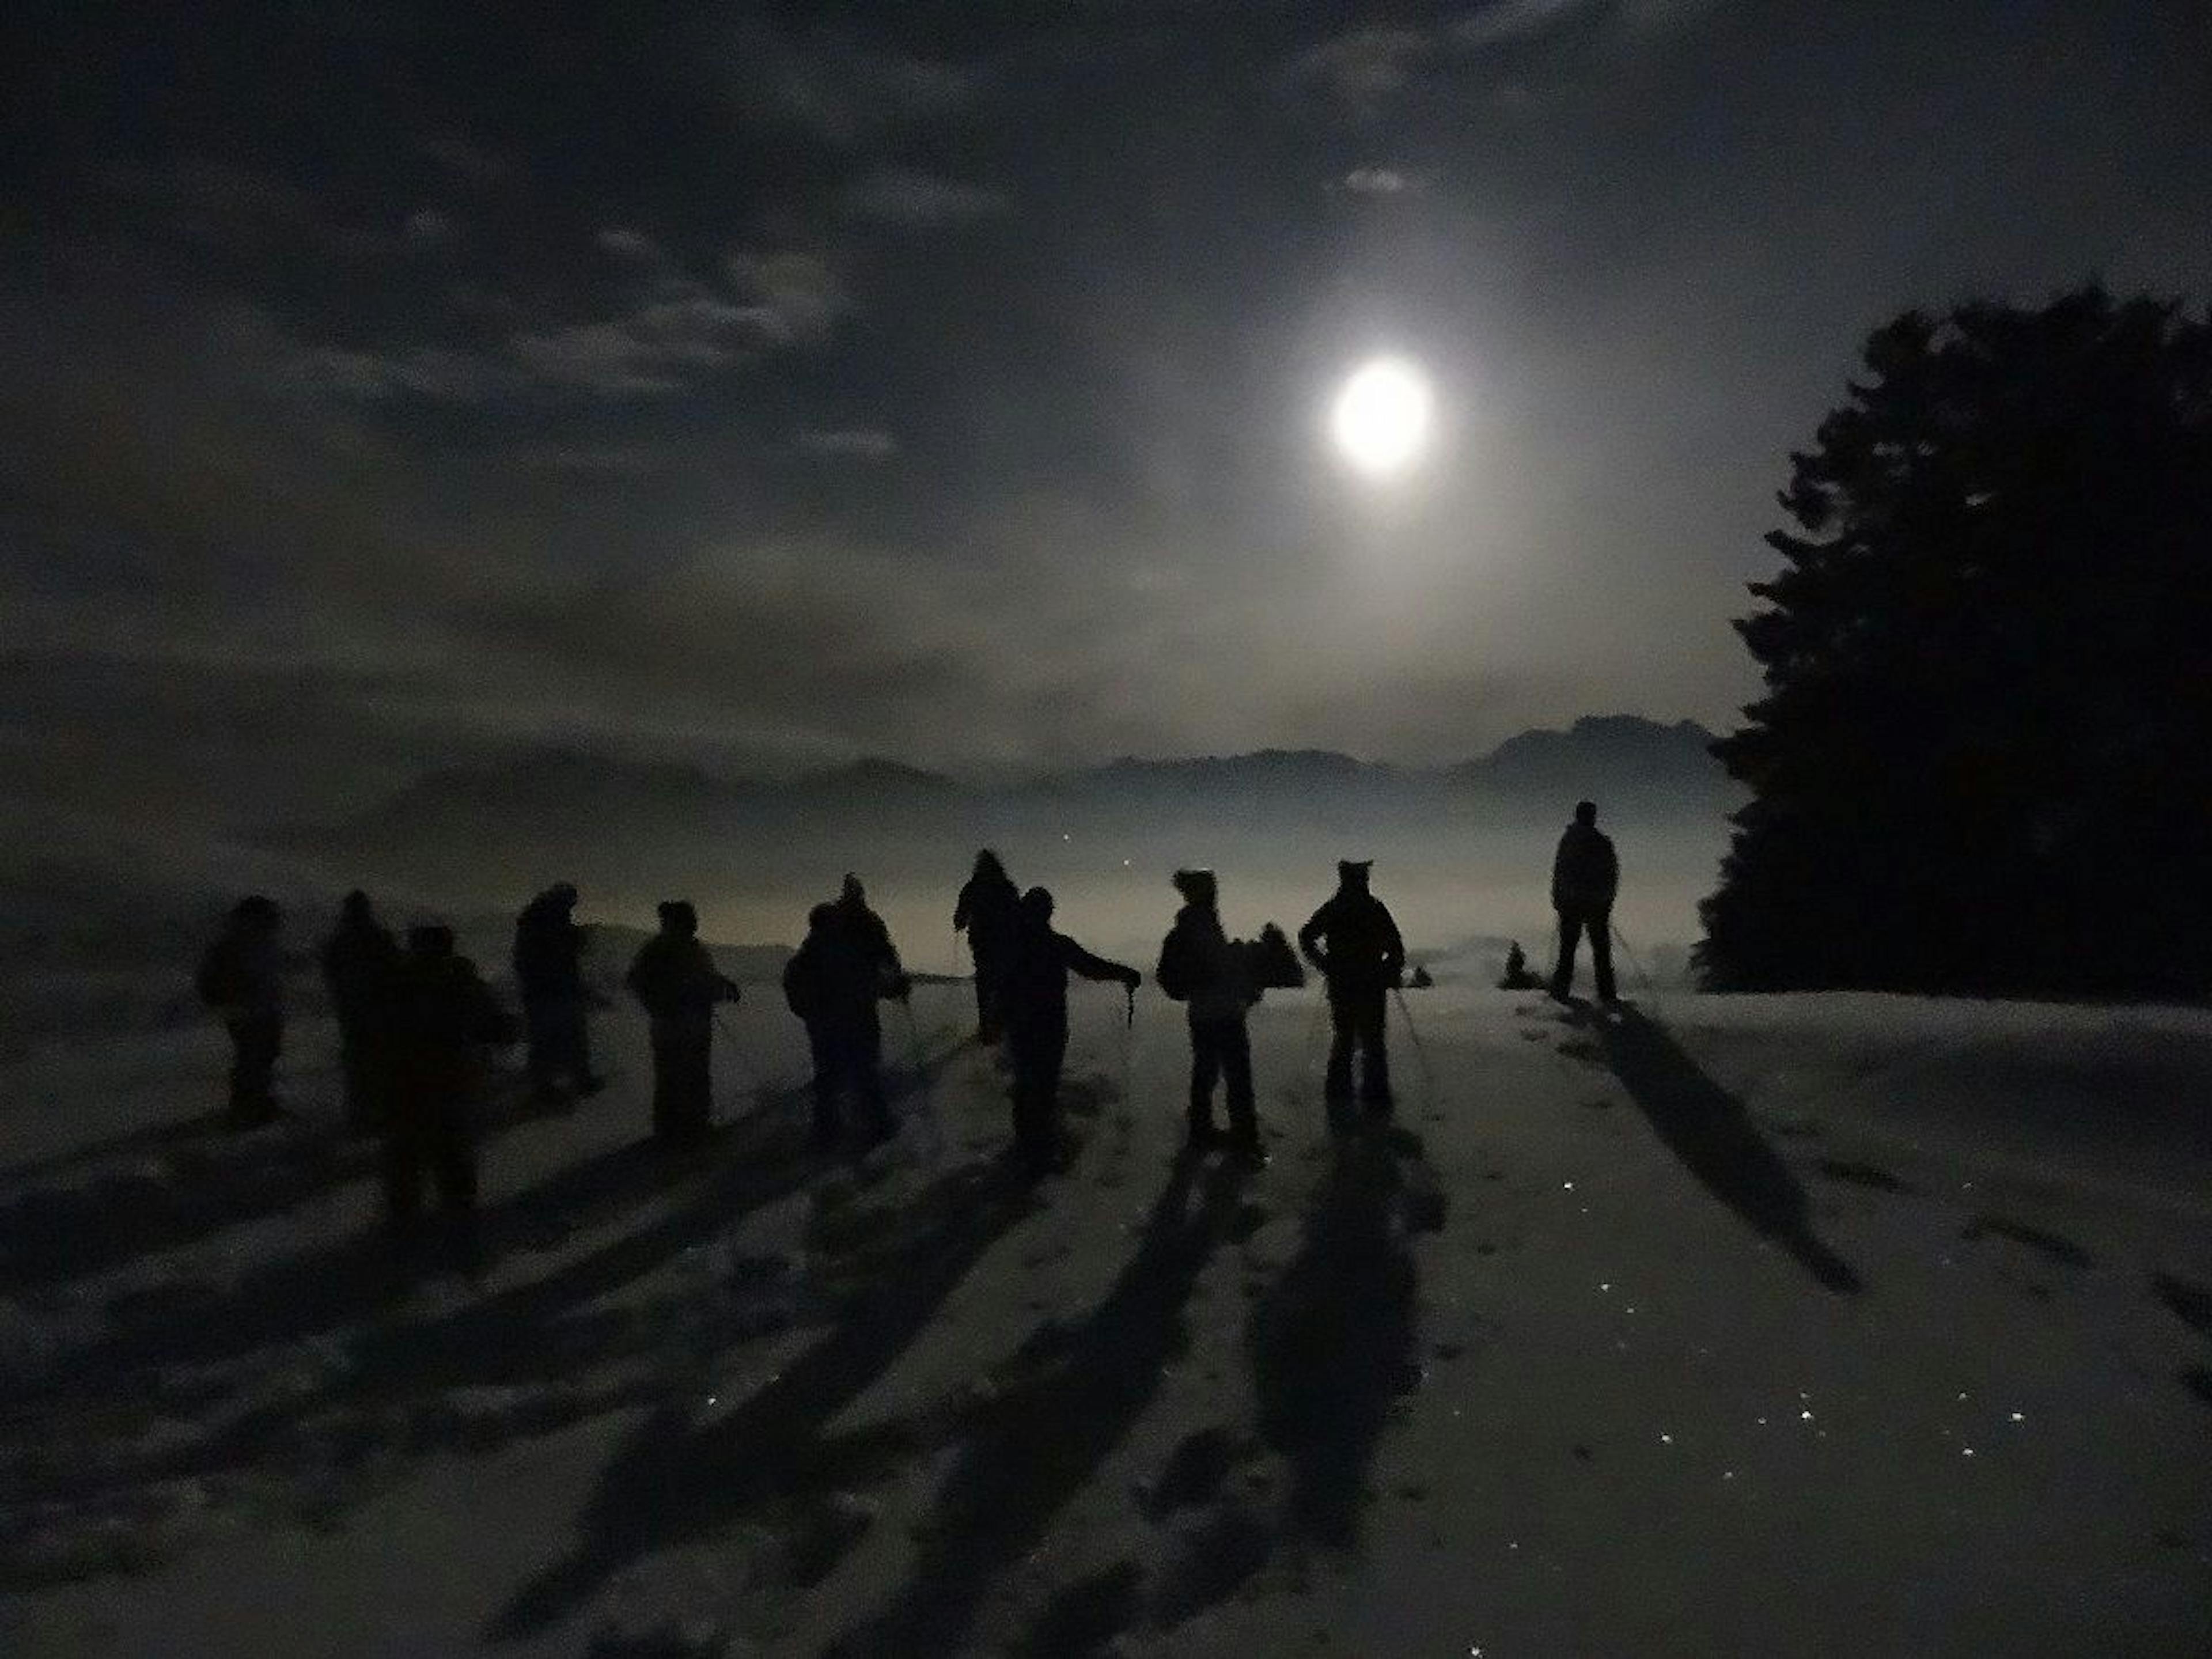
1043,1437
540,1333
311,1293
216,1179
1332,1342
207,1125
676,1480
56,1235
514,1332
1709,1130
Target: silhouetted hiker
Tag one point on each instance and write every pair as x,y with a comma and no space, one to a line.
1585,874
358,960
241,977
549,970
987,912
676,980
1362,961
444,1018
1200,966
1518,976
868,935
833,984
1035,1004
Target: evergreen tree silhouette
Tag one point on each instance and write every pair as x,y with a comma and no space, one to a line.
1984,760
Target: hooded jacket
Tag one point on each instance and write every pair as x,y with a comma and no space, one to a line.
1219,984
674,978
989,911
549,950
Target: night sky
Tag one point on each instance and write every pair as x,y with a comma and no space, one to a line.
391,384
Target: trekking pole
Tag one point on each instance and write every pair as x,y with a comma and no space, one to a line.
921,1076
1621,939
736,1045
1128,1040
1306,1045
1313,1030
1420,1050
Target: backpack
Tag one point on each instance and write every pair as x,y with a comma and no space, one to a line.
1173,975
802,982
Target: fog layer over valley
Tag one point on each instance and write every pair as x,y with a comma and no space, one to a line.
1462,852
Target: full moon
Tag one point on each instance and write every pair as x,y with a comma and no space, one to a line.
1381,418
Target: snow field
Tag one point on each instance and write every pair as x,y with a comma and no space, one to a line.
1794,1325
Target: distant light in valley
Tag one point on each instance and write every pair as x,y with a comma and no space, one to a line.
1382,415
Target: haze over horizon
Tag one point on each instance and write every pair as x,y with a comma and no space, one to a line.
769,385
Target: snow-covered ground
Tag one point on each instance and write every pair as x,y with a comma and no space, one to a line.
1796,1324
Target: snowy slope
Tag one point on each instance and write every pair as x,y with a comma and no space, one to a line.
1797,1325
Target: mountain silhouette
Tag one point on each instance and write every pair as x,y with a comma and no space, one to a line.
545,791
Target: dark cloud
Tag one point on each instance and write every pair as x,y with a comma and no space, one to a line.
836,84
802,292
1369,67
1363,67
910,200
1379,181
860,442
658,345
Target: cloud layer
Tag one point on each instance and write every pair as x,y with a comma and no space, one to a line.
947,382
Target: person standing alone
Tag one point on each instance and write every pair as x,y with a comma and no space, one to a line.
1362,961
1585,874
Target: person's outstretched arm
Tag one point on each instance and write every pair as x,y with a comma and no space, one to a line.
1077,960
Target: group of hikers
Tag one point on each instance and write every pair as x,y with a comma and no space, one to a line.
416,1023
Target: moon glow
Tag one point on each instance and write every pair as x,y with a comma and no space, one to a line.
1381,418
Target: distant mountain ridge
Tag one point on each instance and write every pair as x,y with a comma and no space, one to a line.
553,797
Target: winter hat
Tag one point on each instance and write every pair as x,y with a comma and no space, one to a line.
1196,886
